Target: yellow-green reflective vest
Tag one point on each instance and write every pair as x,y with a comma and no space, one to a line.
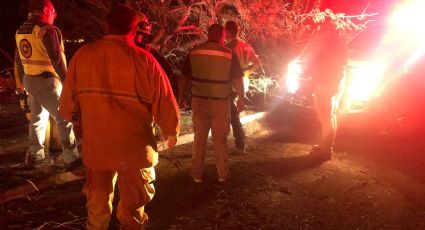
34,57
211,63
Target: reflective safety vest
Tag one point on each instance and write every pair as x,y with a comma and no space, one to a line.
211,64
34,57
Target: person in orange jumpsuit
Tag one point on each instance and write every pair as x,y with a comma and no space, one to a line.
325,63
115,91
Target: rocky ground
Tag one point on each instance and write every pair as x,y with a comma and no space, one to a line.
370,183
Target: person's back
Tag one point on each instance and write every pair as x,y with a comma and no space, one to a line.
212,70
327,58
115,90
211,65
110,93
40,69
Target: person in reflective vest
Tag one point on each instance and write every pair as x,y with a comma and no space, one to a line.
249,63
212,70
41,66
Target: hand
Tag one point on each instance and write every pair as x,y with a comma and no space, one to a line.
20,88
172,141
78,129
240,105
247,73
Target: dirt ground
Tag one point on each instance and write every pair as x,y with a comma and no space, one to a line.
370,183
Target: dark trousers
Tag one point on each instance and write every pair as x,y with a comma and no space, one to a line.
237,129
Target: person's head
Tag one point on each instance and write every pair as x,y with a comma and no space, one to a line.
143,27
121,20
231,28
216,33
44,8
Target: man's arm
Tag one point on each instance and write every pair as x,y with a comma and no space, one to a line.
253,60
164,107
69,105
52,42
237,82
18,72
184,82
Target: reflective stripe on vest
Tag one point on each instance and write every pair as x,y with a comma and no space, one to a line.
212,53
211,65
36,62
34,57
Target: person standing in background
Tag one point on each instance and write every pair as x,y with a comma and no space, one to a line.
41,66
249,63
325,62
212,70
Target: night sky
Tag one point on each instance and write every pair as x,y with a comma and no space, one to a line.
11,15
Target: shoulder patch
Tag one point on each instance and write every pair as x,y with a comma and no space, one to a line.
25,48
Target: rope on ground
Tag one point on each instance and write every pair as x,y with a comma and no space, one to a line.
33,185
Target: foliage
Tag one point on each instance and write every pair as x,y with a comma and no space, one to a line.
267,86
276,28
180,24
82,18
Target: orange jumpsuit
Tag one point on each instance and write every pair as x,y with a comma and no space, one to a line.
117,90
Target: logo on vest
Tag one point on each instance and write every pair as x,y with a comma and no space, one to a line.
25,48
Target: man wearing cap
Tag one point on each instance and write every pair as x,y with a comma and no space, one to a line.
143,33
41,65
